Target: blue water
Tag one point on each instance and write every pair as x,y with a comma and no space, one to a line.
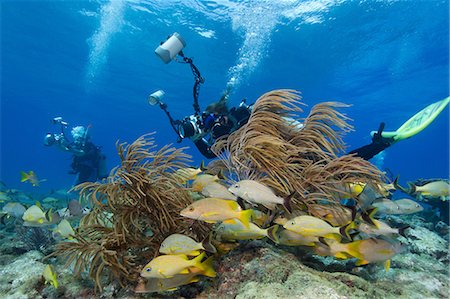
92,62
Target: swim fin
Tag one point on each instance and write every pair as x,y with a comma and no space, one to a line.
417,123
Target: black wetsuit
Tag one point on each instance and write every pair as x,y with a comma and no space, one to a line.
86,164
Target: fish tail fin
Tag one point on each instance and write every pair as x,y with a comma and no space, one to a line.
208,266
412,188
55,282
398,187
2,219
197,261
48,215
353,250
24,176
207,245
367,216
401,231
220,175
245,217
202,166
287,202
344,230
387,265
272,233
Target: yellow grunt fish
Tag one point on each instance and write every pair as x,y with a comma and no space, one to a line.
312,226
167,266
203,180
183,175
181,244
286,237
152,285
433,189
232,230
214,210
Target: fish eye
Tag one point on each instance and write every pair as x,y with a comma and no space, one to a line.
191,209
236,186
148,269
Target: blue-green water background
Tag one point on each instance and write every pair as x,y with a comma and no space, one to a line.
92,62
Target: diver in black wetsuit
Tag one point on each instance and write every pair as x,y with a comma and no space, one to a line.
88,162
217,120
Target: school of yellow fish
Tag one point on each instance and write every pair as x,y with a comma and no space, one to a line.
233,210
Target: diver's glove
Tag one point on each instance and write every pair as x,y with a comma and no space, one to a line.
380,140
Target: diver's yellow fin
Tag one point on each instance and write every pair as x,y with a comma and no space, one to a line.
418,122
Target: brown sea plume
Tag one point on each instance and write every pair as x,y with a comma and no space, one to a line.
132,212
297,155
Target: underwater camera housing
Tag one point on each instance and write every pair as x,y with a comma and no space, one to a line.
156,97
190,126
169,49
59,120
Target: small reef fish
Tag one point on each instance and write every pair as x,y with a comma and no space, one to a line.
152,285
408,206
215,189
397,207
34,216
289,238
255,192
376,250
167,266
4,197
14,209
64,229
312,226
203,180
432,189
333,215
214,210
366,251
30,177
183,175
330,247
181,244
50,200
50,276
380,229
75,208
233,230
282,219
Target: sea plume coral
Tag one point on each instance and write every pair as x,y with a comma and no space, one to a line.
273,149
132,212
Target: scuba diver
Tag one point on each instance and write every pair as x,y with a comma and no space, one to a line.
88,162
203,128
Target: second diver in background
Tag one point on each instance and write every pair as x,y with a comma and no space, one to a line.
88,162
